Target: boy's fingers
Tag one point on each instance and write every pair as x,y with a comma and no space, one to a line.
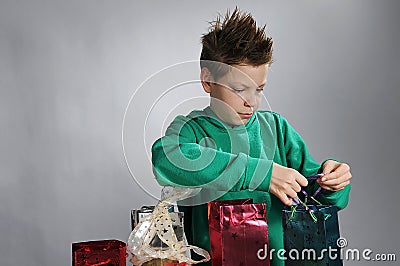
329,166
291,194
337,187
286,196
285,199
341,186
330,176
326,187
327,177
301,180
341,174
328,169
296,187
337,181
339,171
343,168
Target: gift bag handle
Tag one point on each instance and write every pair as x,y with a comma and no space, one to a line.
304,204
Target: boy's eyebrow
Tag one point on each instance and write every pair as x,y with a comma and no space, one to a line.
262,85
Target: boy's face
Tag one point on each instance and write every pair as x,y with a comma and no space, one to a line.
237,95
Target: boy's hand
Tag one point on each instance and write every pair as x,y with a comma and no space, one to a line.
285,183
337,176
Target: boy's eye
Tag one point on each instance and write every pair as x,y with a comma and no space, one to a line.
260,90
238,90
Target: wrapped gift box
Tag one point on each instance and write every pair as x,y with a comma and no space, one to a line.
100,252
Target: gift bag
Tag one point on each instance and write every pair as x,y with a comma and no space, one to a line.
101,252
176,223
238,230
159,238
139,215
311,231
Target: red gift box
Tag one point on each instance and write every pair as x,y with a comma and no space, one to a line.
238,230
101,252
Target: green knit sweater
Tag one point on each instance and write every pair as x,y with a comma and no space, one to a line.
199,150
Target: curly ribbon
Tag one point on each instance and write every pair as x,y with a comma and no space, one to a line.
304,204
310,211
159,223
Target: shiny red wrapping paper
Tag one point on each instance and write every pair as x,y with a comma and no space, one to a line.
101,252
176,264
238,230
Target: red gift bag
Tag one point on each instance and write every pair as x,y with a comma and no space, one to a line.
101,252
238,230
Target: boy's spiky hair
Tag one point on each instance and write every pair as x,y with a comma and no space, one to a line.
235,41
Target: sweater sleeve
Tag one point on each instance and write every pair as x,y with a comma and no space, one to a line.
299,158
180,159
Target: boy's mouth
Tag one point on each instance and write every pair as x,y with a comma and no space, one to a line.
245,115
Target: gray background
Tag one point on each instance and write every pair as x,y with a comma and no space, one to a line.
69,68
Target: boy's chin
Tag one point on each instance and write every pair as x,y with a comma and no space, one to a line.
232,119
236,122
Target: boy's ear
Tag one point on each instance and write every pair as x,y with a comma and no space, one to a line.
206,79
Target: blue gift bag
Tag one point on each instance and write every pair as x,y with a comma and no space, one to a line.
310,235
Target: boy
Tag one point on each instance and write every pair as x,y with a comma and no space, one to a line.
232,150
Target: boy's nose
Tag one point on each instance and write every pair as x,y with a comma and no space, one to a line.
250,102
247,104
